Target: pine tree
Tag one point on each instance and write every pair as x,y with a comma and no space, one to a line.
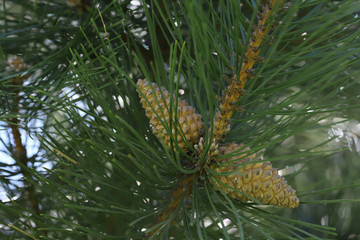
179,119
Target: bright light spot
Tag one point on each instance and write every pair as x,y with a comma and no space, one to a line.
325,220
135,3
54,213
226,222
122,102
337,132
232,230
289,170
304,34
181,91
4,227
138,183
142,33
98,109
143,229
4,198
97,189
108,166
48,165
32,223
108,174
207,222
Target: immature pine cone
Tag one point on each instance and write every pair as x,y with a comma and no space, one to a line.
258,180
156,102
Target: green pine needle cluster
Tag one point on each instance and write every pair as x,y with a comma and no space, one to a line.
93,167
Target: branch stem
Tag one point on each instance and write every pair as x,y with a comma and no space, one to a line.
235,89
19,152
176,196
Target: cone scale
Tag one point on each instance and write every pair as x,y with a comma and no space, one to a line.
258,180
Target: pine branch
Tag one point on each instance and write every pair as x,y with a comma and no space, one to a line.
178,195
19,153
120,175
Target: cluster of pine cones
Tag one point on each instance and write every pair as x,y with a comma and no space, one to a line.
240,176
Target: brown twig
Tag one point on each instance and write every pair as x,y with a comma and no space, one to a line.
19,152
185,187
235,89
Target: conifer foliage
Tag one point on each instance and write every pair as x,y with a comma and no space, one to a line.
179,119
